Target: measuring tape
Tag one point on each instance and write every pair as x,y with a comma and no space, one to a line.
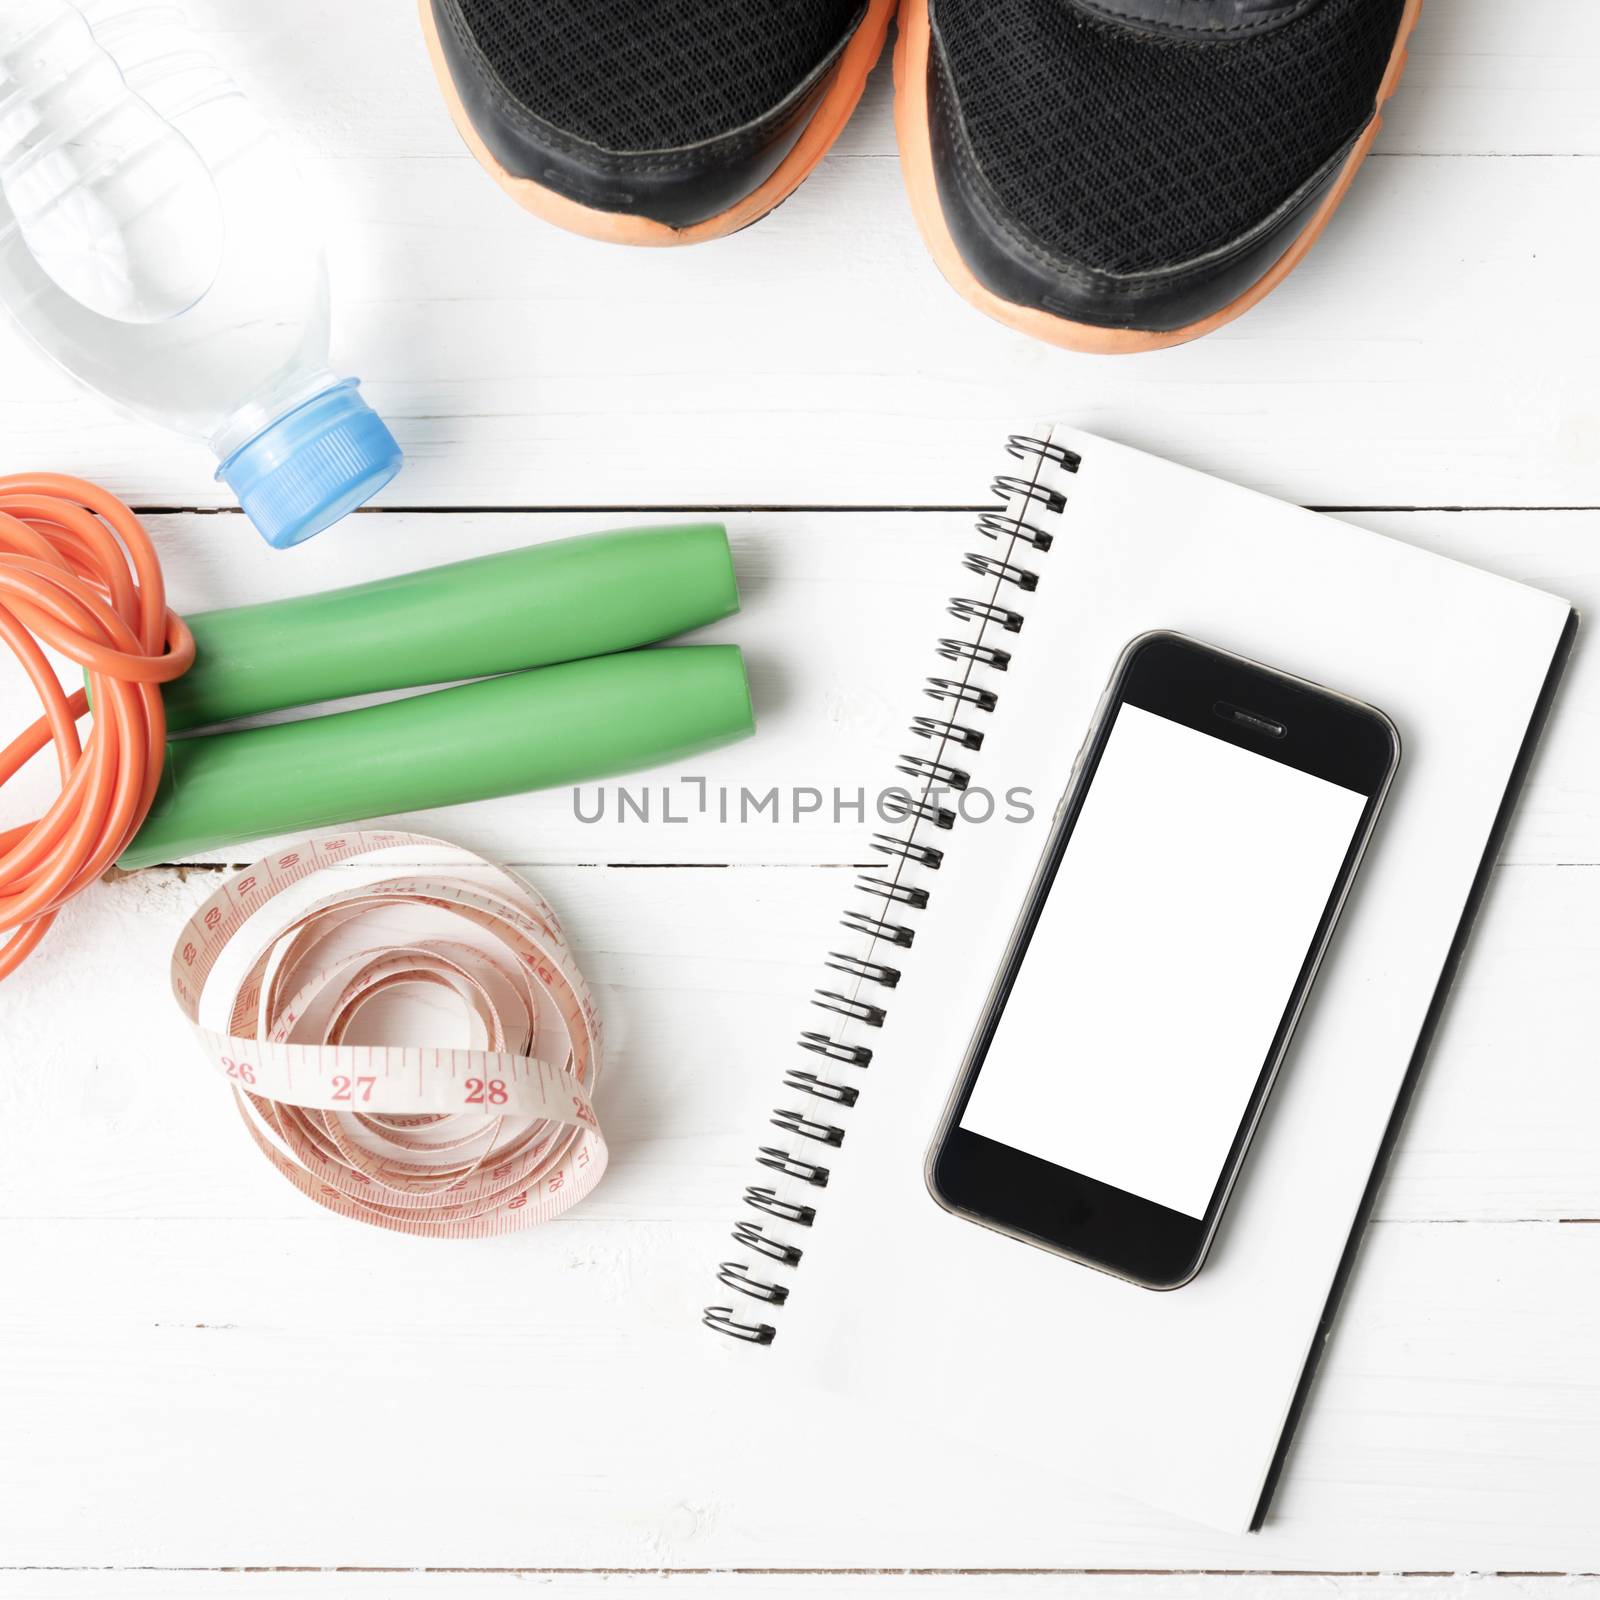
452,1143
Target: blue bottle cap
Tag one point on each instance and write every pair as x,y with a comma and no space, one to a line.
312,465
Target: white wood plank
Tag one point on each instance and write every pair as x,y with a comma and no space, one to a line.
235,1393
703,977
840,616
1426,353
748,1585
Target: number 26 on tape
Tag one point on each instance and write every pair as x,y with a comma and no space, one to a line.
239,1071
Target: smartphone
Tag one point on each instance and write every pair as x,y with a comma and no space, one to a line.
1193,876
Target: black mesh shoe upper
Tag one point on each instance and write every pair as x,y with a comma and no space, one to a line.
1125,151
671,112
641,75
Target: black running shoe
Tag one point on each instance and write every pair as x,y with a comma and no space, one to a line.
1117,175
652,121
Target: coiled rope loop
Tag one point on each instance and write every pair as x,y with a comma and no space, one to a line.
79,576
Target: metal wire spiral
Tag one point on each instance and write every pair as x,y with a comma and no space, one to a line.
1016,530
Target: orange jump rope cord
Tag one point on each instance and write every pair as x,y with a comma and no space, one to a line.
78,574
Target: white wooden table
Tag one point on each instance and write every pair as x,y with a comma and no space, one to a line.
208,1388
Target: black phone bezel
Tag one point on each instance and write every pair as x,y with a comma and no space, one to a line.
1283,718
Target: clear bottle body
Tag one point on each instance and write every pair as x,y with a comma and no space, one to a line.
154,236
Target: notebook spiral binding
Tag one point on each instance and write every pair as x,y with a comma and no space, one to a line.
1018,536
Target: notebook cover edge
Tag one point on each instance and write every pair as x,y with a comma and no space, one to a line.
1414,1069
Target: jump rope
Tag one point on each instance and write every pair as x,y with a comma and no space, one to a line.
453,1142
78,574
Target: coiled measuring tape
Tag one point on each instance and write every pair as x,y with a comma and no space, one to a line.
275,970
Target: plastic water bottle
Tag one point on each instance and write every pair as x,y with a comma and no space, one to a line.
155,241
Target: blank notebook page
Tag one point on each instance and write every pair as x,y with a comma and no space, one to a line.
1176,1398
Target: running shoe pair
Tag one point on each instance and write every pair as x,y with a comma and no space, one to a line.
1108,175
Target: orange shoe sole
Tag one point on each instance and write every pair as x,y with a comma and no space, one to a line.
615,227
916,162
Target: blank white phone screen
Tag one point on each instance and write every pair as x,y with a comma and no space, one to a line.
1163,961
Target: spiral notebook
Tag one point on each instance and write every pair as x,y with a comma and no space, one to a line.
847,1275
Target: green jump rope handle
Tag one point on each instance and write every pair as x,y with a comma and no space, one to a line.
553,725
561,601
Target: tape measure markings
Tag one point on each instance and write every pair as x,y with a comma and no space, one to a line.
421,1139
